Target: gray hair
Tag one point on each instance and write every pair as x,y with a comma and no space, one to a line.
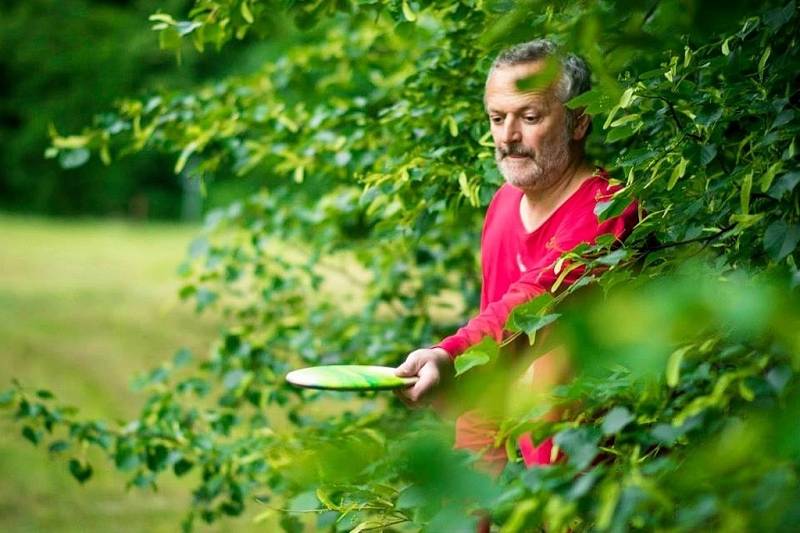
575,73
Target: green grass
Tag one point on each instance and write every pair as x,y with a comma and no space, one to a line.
84,307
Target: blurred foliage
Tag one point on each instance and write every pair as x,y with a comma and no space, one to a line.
370,143
72,60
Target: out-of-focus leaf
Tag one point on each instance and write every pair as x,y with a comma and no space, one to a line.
80,470
73,158
579,444
477,355
674,365
616,419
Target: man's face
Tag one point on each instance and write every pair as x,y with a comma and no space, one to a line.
529,128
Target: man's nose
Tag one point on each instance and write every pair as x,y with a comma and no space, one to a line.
511,132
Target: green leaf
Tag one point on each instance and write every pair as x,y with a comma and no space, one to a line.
726,48
785,184
533,307
463,184
775,18
185,27
187,291
626,119
182,466
626,98
707,153
477,355
674,365
323,496
187,151
621,133
580,445
763,61
783,118
7,397
530,325
543,78
746,392
80,470
470,360
744,193
666,433
31,434
247,15
182,357
609,497
305,501
530,317
299,174
169,38
161,17
156,457
73,158
616,419
614,207
769,175
205,297
677,173
411,498
610,117
781,239
58,446
126,458
779,377
452,126
595,101
583,484
408,13
613,258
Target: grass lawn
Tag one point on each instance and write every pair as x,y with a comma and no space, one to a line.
85,306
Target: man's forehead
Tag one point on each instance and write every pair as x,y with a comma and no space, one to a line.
512,99
516,102
506,86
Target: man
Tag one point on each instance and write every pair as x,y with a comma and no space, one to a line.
545,209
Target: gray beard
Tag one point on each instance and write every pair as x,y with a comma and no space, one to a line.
538,171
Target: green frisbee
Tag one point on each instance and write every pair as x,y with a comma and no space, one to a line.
348,378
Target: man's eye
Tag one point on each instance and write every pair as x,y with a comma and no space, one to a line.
496,119
531,118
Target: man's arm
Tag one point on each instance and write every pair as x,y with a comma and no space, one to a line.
491,321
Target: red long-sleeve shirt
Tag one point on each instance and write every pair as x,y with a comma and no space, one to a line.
517,266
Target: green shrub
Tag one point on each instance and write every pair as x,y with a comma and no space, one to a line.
376,165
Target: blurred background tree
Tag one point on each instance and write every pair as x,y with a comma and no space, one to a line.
69,61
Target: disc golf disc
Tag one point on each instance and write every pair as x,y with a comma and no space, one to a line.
348,378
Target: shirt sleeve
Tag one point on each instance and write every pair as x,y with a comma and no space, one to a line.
540,279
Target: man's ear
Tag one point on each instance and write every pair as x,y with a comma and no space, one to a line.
582,123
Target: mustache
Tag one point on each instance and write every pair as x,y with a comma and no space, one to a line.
513,149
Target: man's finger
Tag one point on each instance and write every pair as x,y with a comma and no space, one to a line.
402,394
428,378
409,367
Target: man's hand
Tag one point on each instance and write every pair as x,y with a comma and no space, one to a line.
432,365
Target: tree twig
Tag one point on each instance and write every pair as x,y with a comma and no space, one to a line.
674,115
